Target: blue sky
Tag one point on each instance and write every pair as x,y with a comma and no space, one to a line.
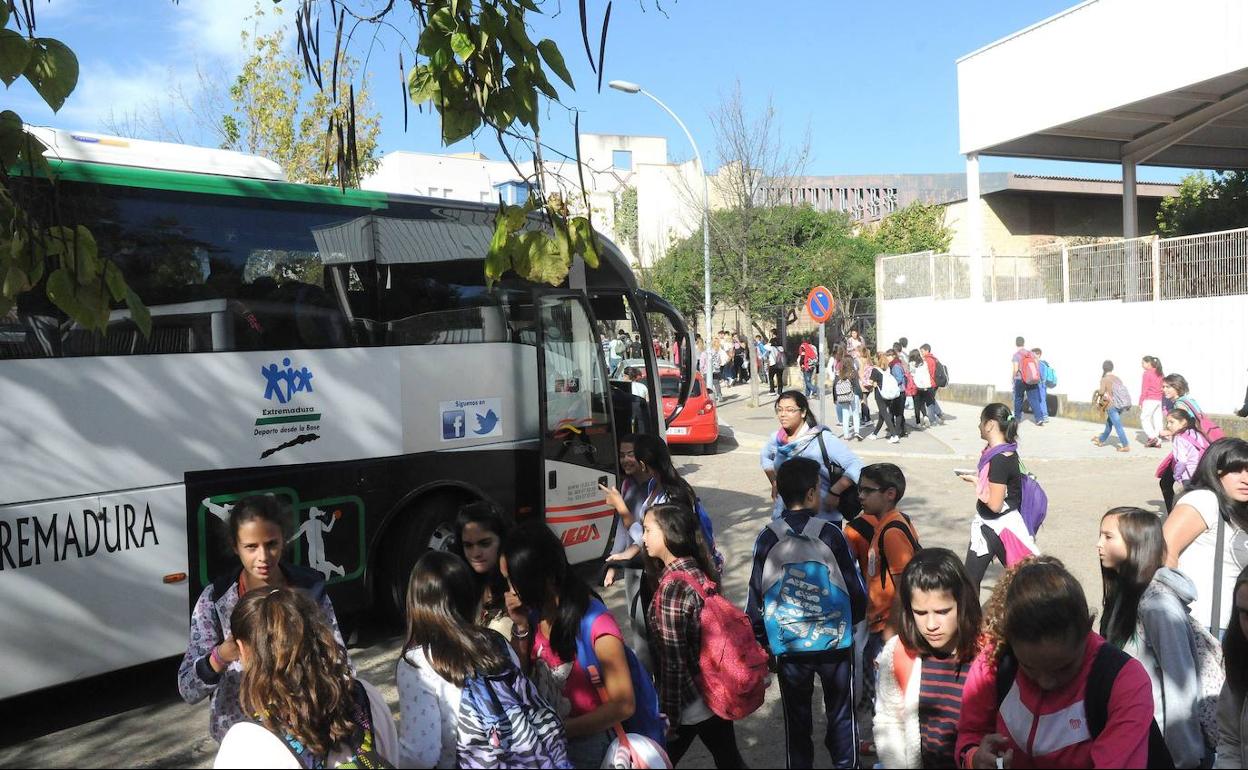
875,82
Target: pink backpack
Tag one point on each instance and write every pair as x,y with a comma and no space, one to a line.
732,666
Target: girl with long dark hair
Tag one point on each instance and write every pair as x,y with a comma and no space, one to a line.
444,649
923,668
1205,533
1188,444
998,530
1041,654
676,552
800,435
480,533
1146,616
259,530
1233,702
308,708
548,602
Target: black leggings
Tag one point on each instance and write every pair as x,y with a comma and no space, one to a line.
717,734
898,408
1167,487
881,409
976,565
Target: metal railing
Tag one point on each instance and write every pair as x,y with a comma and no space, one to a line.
1135,270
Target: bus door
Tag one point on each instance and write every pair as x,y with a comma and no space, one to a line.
578,433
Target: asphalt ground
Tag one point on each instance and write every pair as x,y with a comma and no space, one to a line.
135,718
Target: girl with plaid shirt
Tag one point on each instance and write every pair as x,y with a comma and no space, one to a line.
672,537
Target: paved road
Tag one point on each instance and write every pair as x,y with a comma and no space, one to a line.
136,719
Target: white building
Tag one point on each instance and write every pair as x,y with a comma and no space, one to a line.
666,209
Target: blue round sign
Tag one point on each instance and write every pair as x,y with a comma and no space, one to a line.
820,304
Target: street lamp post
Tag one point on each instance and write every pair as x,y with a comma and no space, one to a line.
633,88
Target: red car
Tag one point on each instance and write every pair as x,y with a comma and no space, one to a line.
698,423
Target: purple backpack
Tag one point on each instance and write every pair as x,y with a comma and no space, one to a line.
1035,504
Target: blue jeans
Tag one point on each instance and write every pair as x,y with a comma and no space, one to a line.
797,688
1113,421
1044,400
1033,398
808,376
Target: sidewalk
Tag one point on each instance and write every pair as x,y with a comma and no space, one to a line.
957,439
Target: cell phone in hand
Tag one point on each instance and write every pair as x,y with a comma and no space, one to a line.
963,472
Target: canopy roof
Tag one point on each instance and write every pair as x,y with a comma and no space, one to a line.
1143,81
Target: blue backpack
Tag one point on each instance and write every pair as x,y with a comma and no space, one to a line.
805,600
504,722
647,719
1048,374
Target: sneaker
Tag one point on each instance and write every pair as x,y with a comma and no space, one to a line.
894,439
873,436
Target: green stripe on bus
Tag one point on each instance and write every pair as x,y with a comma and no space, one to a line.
288,418
238,187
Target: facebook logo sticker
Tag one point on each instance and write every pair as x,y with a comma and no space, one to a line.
453,424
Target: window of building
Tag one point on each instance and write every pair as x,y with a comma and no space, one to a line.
622,160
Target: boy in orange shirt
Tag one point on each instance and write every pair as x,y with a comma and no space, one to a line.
884,541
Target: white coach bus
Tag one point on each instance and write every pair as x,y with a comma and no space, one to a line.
337,350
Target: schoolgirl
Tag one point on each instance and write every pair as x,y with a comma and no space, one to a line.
675,554
305,707
800,435
923,669
258,534
998,530
480,532
1146,615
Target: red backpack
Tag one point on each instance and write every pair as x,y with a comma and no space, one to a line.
732,666
1029,368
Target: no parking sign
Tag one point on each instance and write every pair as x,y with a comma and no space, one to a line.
820,304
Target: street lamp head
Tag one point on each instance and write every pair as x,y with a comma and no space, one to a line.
625,86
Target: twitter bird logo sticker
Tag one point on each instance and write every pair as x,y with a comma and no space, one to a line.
486,423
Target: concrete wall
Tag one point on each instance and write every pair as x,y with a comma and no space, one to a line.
1198,338
1016,222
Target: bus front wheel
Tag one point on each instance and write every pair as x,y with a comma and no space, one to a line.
425,525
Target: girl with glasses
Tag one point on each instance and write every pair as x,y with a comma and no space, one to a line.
800,435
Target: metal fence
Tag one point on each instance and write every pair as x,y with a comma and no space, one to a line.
1135,270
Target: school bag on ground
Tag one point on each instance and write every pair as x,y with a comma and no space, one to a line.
732,667
805,600
942,374
1029,368
647,719
503,723
1108,662
876,573
362,741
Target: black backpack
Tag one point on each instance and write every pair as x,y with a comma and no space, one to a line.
1105,667
850,504
942,374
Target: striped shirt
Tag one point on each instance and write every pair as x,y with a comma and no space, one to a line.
940,702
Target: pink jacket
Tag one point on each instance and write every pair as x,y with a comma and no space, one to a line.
1150,386
1049,728
1188,447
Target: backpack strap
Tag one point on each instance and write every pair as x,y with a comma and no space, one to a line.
905,529
680,576
835,472
1215,614
903,664
584,639
863,527
1007,671
1105,667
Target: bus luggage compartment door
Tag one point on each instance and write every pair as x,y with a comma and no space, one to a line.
578,436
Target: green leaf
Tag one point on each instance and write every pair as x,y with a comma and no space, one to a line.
422,86
517,32
443,21
12,138
497,260
554,60
538,78
141,316
462,45
4,14
61,291
115,281
459,122
529,5
15,282
584,242
52,70
14,54
87,256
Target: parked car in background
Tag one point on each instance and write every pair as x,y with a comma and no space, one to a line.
698,424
